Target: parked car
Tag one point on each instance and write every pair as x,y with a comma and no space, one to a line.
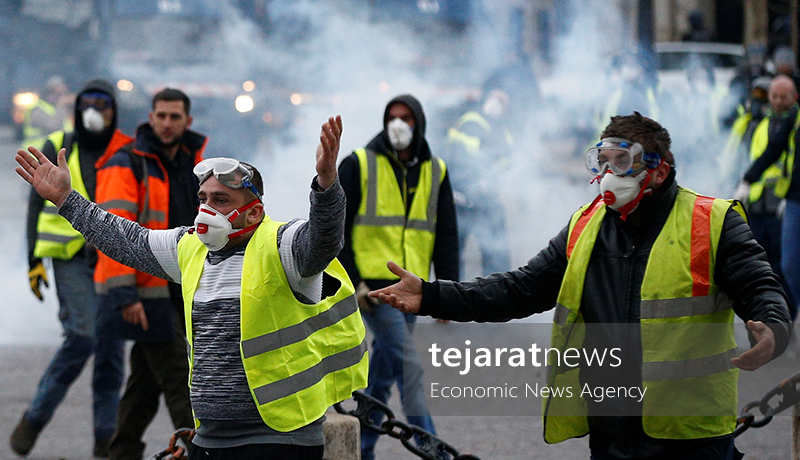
678,60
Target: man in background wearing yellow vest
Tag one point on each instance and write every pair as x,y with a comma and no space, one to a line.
51,236
735,158
764,198
780,150
651,267
50,113
479,148
400,207
272,321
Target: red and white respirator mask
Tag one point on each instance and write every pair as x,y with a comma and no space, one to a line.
623,170
214,228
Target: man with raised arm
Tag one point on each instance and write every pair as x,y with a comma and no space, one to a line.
272,320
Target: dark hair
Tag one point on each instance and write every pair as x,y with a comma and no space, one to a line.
257,181
637,128
172,94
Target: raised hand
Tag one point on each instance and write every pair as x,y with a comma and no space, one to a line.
328,151
405,295
50,181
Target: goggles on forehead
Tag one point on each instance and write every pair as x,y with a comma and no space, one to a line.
228,171
621,156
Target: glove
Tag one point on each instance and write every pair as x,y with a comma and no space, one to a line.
37,275
365,302
742,192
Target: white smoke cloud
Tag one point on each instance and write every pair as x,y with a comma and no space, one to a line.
343,62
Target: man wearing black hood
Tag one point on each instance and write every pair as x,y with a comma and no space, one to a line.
411,219
50,235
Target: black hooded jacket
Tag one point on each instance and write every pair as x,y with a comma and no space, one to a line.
91,147
611,300
445,250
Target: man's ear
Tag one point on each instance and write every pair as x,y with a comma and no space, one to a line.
255,214
660,174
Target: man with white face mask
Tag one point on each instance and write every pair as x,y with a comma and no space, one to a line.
50,236
399,203
273,325
661,286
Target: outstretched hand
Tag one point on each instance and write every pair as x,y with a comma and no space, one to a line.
328,151
761,352
50,181
406,295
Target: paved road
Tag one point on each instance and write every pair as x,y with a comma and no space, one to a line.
69,435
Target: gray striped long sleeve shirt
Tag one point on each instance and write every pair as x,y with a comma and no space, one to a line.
220,395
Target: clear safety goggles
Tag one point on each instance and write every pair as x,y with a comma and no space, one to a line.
228,171
621,156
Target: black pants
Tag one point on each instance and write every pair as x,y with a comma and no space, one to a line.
258,451
156,368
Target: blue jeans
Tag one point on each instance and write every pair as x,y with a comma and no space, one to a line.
77,309
790,252
394,360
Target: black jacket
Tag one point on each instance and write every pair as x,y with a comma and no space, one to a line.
445,249
612,296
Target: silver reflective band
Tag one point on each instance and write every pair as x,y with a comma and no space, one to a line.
293,334
561,315
688,306
305,379
688,368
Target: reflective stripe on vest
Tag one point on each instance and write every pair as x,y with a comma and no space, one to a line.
686,328
299,359
55,236
381,229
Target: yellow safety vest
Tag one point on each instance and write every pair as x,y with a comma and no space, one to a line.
730,159
381,229
686,362
472,144
56,238
773,178
33,135
299,359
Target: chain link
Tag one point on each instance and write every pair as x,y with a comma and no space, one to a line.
174,451
788,390
429,447
425,445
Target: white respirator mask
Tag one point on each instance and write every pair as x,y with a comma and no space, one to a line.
93,120
400,133
619,191
215,229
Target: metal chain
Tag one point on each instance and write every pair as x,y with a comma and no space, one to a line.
174,451
788,390
425,445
